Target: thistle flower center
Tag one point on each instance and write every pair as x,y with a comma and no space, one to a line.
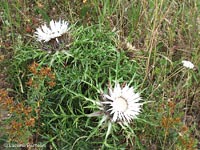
120,104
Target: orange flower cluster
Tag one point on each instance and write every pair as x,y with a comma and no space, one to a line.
171,105
30,82
16,126
33,67
3,93
22,116
6,101
46,71
187,143
8,104
168,122
30,122
184,129
41,74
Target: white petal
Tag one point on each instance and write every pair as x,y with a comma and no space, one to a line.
108,97
46,29
56,30
116,91
52,26
106,102
115,117
125,89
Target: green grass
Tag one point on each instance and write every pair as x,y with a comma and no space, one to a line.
161,35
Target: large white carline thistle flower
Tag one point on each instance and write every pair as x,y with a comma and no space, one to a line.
55,30
122,104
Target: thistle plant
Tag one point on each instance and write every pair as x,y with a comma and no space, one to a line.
119,107
66,97
55,37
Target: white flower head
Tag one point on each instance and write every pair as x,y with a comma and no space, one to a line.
55,30
122,104
188,64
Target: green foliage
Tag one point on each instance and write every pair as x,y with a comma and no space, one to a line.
91,63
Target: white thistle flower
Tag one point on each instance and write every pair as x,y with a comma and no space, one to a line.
55,30
122,104
188,64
